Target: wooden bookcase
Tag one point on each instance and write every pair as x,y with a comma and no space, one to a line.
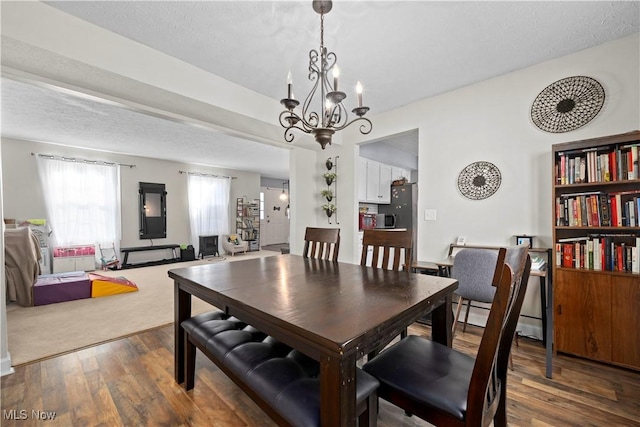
596,259
248,222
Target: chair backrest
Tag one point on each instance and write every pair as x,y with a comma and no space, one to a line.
474,271
489,372
321,243
392,243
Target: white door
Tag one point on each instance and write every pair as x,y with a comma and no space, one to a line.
275,224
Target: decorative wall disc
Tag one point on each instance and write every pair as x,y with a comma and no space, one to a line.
567,104
479,180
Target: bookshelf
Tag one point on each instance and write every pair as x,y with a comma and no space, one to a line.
248,222
596,259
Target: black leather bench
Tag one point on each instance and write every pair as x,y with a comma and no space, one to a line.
282,381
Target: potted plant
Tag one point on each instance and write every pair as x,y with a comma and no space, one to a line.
329,163
329,177
328,194
329,208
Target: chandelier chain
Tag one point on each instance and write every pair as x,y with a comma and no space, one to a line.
322,29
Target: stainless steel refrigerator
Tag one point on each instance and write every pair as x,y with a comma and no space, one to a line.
404,205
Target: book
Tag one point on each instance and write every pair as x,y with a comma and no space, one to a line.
573,239
567,255
605,218
582,170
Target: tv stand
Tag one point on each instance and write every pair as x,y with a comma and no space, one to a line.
127,251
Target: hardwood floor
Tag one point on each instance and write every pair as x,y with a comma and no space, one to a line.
129,382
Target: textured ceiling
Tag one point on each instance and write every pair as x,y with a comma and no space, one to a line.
39,113
402,51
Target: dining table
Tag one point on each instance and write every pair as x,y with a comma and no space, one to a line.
334,312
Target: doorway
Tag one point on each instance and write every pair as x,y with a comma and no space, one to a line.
274,223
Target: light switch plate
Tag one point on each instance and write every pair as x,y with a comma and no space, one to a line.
430,215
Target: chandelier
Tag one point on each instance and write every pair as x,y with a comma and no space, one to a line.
332,115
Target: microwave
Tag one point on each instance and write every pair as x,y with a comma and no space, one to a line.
385,221
367,221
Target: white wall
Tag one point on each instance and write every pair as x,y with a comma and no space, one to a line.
5,356
23,194
490,121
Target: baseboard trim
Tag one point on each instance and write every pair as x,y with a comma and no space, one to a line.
526,326
5,366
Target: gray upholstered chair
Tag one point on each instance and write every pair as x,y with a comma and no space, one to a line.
473,269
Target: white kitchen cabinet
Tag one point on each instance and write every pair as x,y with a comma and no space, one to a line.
399,173
378,186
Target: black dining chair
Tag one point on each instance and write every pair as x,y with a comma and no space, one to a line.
446,387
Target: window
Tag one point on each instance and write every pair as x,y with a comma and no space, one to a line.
82,200
208,206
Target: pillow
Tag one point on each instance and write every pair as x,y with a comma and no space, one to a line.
233,238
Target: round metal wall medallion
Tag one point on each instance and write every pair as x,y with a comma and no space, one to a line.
479,180
567,104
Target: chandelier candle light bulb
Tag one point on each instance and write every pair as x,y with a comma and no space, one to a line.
336,74
289,85
359,93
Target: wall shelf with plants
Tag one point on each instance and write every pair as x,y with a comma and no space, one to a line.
330,194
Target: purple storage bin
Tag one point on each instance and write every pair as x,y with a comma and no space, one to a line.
60,287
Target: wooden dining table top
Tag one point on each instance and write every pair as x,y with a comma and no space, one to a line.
333,312
331,302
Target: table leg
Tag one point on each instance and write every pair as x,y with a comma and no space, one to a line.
442,321
182,311
549,328
338,391
543,305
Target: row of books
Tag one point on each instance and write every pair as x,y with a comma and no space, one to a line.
600,254
598,165
597,209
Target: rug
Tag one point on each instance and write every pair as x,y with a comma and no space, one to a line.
44,331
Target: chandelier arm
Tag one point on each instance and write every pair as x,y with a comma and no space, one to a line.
291,120
289,135
365,127
313,119
330,61
314,70
340,114
310,116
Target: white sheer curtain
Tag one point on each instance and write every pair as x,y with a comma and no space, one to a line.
208,206
82,201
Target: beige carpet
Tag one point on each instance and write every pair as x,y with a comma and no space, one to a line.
39,332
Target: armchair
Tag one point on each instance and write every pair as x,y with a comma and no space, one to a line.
233,247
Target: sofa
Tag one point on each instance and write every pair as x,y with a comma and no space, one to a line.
233,243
